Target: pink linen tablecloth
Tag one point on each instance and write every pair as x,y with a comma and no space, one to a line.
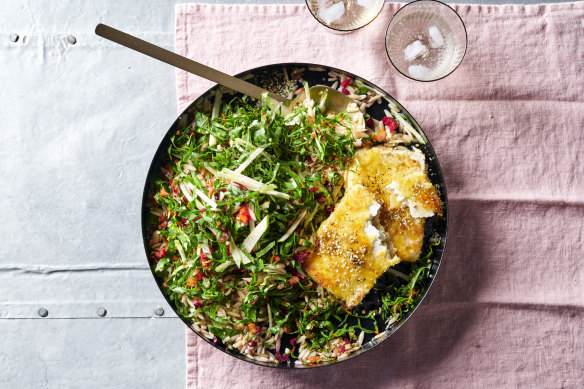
507,307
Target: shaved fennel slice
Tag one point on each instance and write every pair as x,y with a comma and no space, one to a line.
242,142
254,236
275,105
246,181
217,103
235,252
252,215
211,170
185,192
251,210
244,258
224,266
405,125
206,198
250,183
180,250
270,320
249,160
293,226
193,188
215,113
322,103
306,95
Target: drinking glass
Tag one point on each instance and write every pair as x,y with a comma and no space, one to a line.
345,15
426,40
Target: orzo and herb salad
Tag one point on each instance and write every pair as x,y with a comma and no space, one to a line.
235,218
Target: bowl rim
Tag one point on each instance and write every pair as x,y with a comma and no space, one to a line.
144,222
465,40
342,30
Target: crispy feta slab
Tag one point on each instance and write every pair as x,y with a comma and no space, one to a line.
397,177
405,233
351,253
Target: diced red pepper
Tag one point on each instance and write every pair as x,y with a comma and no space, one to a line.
390,123
243,188
380,136
160,253
243,215
205,261
299,257
345,91
282,358
314,359
345,83
370,123
174,188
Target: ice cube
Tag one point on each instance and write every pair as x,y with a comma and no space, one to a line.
436,38
332,13
418,71
415,50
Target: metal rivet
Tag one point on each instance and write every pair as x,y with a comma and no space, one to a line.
71,39
159,311
43,312
101,311
14,37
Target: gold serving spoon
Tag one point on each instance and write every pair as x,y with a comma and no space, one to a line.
335,101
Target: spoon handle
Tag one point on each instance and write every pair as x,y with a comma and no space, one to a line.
181,62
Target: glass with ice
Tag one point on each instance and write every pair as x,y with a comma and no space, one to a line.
345,15
426,40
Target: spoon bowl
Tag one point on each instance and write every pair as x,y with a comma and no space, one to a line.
333,101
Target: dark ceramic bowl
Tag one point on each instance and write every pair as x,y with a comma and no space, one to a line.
436,227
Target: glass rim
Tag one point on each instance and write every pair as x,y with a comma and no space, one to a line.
465,40
341,29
